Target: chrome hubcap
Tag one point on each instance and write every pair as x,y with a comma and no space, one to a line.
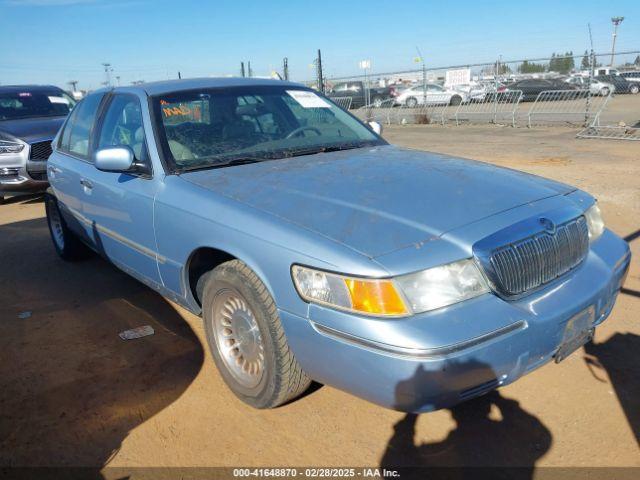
56,227
238,338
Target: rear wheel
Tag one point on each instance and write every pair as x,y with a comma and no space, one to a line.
377,102
604,91
634,89
411,102
246,337
65,242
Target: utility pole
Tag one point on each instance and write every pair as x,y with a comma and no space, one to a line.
73,84
285,68
592,66
249,71
424,76
118,79
107,73
319,71
179,75
242,69
616,21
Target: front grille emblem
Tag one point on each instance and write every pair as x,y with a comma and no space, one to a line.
548,225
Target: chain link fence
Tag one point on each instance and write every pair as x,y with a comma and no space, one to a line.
559,90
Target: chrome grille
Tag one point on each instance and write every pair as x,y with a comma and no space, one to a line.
534,261
40,150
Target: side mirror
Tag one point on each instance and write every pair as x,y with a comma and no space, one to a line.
115,159
376,127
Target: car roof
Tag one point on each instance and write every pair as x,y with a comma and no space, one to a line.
28,88
168,86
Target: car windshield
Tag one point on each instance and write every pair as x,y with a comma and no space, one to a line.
29,104
210,128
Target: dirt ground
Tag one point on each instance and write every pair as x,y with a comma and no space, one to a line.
73,393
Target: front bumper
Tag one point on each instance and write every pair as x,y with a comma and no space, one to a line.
440,358
30,176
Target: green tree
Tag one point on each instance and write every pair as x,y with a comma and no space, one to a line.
570,62
503,69
585,61
530,67
637,61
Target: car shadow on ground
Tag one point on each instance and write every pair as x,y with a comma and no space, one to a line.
618,356
71,390
481,441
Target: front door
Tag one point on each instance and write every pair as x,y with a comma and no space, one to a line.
120,205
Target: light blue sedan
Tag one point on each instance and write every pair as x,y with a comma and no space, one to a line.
315,250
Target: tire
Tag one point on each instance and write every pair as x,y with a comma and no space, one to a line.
634,89
237,309
377,102
411,102
604,91
65,242
455,100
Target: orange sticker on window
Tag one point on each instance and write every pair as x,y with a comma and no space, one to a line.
172,111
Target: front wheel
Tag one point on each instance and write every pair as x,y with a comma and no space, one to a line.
634,89
455,100
604,91
246,337
65,242
377,102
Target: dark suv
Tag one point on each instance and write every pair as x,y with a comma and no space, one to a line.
30,116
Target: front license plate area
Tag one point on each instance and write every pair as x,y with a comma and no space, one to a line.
577,332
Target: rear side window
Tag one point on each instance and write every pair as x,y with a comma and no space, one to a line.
75,138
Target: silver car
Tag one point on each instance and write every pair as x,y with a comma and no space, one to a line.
30,116
597,87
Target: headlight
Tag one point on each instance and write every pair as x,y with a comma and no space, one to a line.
595,224
368,296
443,285
10,147
414,293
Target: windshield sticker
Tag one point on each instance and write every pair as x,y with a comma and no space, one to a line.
24,94
59,100
308,99
171,111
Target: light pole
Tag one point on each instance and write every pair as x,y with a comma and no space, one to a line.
107,73
616,21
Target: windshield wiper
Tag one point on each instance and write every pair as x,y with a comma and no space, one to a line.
313,151
228,163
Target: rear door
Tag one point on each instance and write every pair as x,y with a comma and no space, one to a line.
120,205
70,161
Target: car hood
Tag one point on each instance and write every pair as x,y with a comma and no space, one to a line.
31,129
378,199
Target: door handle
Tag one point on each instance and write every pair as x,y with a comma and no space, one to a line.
86,183
54,169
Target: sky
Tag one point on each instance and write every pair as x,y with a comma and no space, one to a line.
54,41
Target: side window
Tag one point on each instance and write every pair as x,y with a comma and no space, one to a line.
122,126
80,126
